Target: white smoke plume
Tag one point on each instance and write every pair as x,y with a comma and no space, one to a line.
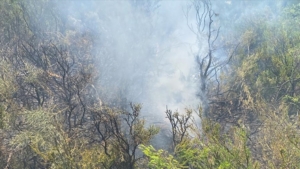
145,49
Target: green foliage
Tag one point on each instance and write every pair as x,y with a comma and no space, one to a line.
278,141
212,150
268,72
46,138
159,159
216,150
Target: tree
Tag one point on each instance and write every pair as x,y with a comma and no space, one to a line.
120,133
210,148
207,33
263,85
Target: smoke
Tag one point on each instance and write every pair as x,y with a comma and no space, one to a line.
142,51
145,50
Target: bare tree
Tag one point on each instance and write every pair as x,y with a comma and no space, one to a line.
207,34
180,124
124,131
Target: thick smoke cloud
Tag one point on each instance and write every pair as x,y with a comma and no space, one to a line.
142,49
145,50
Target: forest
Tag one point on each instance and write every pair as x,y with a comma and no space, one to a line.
137,84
